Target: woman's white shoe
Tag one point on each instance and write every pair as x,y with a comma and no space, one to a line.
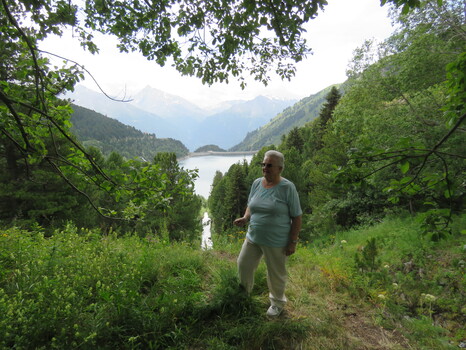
274,311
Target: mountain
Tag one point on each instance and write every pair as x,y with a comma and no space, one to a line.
223,106
229,127
166,115
297,115
167,105
109,135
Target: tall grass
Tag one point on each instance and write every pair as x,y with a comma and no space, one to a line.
413,283
79,289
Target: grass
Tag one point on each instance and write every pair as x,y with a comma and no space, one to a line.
78,289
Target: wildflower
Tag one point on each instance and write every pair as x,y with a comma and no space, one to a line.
381,296
343,241
387,266
428,297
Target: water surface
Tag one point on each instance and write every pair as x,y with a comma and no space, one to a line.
208,165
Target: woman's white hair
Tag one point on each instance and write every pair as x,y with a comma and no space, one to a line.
277,155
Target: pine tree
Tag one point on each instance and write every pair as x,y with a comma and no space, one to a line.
326,115
326,112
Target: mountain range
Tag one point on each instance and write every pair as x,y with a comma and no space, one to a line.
169,116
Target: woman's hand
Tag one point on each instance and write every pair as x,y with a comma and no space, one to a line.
240,221
290,248
244,220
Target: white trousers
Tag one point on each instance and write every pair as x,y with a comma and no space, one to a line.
275,260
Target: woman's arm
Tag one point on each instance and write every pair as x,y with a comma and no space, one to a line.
296,223
242,221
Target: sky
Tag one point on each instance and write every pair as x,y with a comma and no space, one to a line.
333,36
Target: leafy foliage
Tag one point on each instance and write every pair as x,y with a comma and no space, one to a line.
367,260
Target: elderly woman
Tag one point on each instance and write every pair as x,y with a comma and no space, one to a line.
274,215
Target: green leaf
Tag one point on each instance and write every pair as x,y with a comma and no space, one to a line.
404,142
404,167
405,9
405,180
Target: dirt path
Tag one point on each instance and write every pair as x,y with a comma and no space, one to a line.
354,324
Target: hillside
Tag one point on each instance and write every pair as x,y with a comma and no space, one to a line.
110,135
128,292
297,115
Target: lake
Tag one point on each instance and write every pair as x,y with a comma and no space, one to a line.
208,165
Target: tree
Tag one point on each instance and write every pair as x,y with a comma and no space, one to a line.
183,216
215,203
325,116
236,193
295,139
396,137
326,113
402,118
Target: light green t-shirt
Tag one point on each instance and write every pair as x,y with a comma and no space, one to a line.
271,212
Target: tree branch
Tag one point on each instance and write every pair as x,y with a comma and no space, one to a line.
88,72
70,139
20,125
72,185
426,155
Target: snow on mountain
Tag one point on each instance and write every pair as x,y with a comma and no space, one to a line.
166,105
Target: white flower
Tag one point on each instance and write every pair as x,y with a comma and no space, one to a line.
428,297
343,241
381,296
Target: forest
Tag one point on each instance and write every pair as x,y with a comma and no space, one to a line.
102,250
109,135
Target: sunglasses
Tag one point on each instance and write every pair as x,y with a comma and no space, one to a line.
266,165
